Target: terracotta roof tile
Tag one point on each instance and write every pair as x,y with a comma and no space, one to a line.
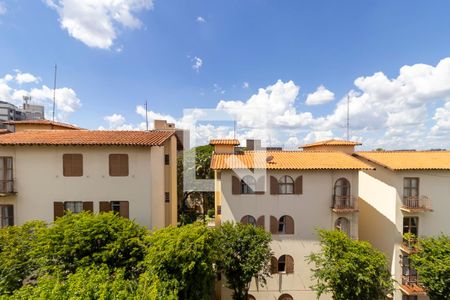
42,122
233,142
332,143
409,160
86,137
288,160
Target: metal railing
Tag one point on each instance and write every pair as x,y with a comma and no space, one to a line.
6,186
410,279
416,202
344,202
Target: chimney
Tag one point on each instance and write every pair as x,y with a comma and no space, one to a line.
224,146
162,124
253,145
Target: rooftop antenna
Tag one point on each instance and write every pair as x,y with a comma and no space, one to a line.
54,94
234,129
26,100
348,117
146,115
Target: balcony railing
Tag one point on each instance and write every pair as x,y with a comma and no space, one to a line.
344,204
416,204
411,285
6,187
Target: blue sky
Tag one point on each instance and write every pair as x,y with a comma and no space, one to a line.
148,50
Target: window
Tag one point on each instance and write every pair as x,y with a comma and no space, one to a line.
409,275
407,297
285,297
282,225
6,215
118,165
251,297
73,206
343,224
119,207
248,220
286,185
282,264
248,185
342,188
6,174
167,197
72,165
410,225
411,191
286,264
115,206
166,159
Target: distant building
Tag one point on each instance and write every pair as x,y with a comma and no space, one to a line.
10,112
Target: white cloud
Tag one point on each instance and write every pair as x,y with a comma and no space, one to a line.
245,85
94,22
200,19
3,9
320,96
442,118
22,78
197,63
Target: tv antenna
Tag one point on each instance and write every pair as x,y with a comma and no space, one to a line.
348,117
146,115
54,94
234,129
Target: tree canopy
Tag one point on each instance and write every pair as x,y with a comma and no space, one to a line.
432,263
349,269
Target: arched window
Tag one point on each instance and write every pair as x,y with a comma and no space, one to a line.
286,185
343,224
285,297
286,225
342,187
248,185
251,297
286,264
248,220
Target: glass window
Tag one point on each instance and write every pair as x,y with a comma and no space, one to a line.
73,206
248,185
410,225
282,225
286,185
115,206
282,264
248,220
410,187
6,174
342,187
6,215
343,224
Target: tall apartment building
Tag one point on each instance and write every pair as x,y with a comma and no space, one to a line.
44,173
10,112
406,192
290,194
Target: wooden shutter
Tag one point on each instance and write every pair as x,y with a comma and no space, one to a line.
260,222
10,215
58,210
273,265
273,225
298,185
67,165
260,185
236,186
274,189
124,209
244,220
289,225
289,264
88,206
72,164
105,206
118,165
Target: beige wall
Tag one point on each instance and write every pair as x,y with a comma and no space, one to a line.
39,181
345,149
381,220
22,127
310,210
170,181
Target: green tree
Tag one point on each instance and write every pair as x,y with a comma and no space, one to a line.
16,259
432,263
83,239
349,269
245,254
184,257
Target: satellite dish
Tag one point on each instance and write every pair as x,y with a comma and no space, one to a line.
269,158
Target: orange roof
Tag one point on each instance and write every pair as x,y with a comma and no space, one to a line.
42,122
332,143
409,160
231,142
4,131
86,138
288,160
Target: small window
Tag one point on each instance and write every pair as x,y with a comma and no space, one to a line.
410,225
72,165
343,224
248,220
118,165
73,206
167,197
166,159
282,225
286,185
248,185
342,188
285,297
251,297
115,206
6,174
6,215
282,264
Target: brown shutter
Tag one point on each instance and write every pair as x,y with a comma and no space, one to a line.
105,206
88,206
289,264
298,185
67,165
244,220
236,186
274,189
124,165
273,225
260,222
260,185
58,210
112,165
289,225
273,265
124,209
78,159
10,215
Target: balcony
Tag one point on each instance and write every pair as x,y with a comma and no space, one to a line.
414,204
344,204
6,188
411,286
409,245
